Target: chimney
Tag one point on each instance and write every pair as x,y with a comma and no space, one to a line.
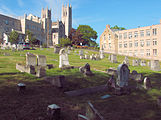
107,26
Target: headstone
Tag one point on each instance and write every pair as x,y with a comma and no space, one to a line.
41,60
6,54
135,63
155,65
21,87
87,56
126,61
111,82
81,52
31,59
56,49
109,57
92,57
113,58
86,70
123,75
63,58
25,68
147,83
143,63
58,81
97,57
53,111
101,54
82,57
136,76
41,72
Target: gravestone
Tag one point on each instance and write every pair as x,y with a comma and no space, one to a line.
147,83
31,59
97,57
41,72
58,81
63,58
126,61
101,54
123,75
6,54
135,63
82,57
143,63
92,57
86,70
25,68
53,112
87,56
109,57
113,58
155,65
81,52
56,49
136,76
41,60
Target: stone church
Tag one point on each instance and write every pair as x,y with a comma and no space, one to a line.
43,28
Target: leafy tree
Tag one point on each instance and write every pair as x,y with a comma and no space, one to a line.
32,39
13,37
118,28
64,42
76,37
89,35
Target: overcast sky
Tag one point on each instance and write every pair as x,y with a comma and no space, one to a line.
96,13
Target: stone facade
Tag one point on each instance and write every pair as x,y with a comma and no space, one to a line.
43,29
142,42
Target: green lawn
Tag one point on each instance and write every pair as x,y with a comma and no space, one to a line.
139,105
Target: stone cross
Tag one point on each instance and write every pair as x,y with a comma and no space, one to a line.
63,58
123,75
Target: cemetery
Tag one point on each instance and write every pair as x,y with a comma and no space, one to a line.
55,84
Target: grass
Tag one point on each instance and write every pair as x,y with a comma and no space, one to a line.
139,105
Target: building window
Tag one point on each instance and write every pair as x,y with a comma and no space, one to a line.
141,33
109,37
125,35
155,31
6,22
120,45
136,34
120,36
130,35
109,45
130,44
147,42
136,52
155,41
148,32
104,37
148,52
142,52
104,45
142,43
136,43
155,52
125,45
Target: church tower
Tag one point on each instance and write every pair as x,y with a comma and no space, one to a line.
47,25
67,18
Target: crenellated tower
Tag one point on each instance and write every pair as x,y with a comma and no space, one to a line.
47,25
67,18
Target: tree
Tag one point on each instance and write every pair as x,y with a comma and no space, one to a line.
76,37
118,28
64,42
32,39
88,34
13,37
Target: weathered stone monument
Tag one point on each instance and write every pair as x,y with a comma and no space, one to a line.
97,57
135,63
147,83
92,57
82,57
143,63
87,56
53,112
31,59
155,65
101,53
25,68
41,60
41,72
63,58
81,52
123,75
113,58
126,61
56,49
86,70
